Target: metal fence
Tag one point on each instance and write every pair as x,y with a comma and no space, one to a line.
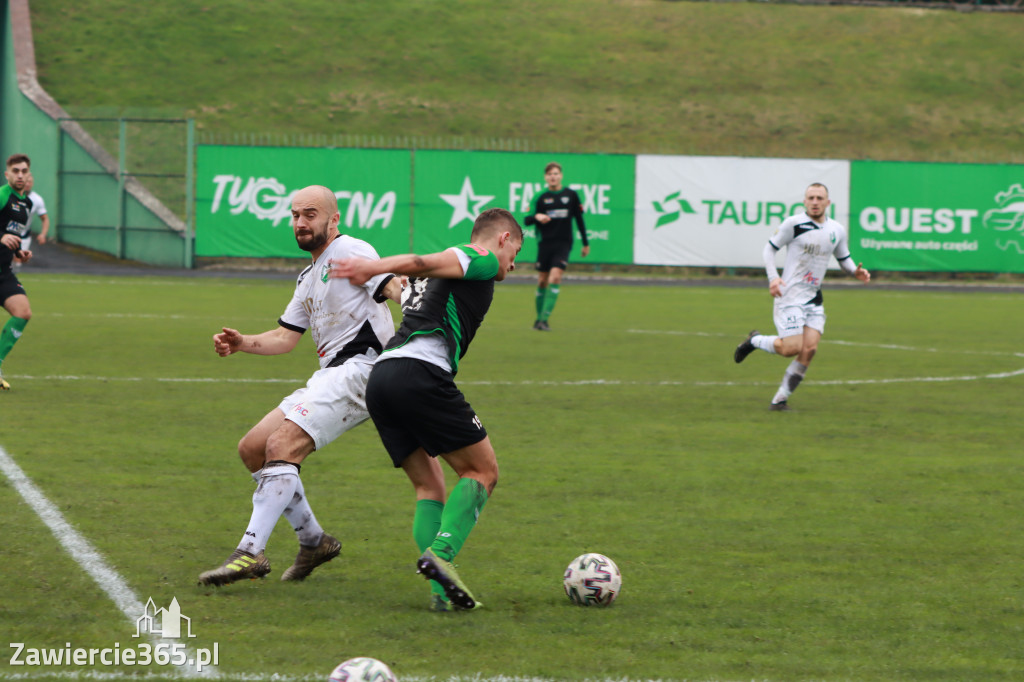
126,188
348,141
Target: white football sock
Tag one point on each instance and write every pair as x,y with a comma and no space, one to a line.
276,489
300,515
790,380
765,343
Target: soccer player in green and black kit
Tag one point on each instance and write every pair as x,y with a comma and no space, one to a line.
553,214
412,398
15,207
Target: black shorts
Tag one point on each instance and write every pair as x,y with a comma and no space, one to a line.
416,404
9,286
553,255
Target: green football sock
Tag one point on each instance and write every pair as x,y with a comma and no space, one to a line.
549,301
10,335
425,525
460,515
539,299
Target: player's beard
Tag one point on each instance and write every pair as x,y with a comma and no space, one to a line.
316,239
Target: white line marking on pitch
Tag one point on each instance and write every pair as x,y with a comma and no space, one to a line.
151,316
109,580
838,342
533,382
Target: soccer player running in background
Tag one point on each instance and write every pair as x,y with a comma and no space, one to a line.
811,239
553,214
38,209
418,410
15,207
350,324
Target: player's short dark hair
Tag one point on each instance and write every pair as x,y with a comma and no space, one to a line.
553,164
18,158
496,219
818,184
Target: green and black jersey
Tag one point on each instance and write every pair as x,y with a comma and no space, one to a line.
14,215
562,207
450,308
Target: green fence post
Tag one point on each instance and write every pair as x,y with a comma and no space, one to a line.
190,126
57,218
122,146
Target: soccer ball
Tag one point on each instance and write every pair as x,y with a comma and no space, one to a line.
362,670
592,580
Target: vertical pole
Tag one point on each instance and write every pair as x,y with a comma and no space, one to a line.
122,148
412,198
190,202
57,218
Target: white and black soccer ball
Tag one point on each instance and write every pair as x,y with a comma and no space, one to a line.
592,580
362,669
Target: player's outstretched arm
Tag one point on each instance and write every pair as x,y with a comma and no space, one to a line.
273,342
443,264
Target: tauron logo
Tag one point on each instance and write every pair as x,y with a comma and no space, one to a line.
671,209
1009,217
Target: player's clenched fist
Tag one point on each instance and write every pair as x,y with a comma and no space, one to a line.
227,342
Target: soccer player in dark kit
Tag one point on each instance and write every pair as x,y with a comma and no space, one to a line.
553,214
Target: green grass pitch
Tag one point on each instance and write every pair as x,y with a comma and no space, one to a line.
872,534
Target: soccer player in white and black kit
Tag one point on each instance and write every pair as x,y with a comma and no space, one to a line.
38,209
811,239
553,214
350,325
418,410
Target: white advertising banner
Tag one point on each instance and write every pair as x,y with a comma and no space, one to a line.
720,211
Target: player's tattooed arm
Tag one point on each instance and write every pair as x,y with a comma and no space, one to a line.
443,264
273,342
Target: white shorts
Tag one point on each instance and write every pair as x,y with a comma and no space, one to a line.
790,320
332,402
26,243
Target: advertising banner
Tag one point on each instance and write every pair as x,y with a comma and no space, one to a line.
243,197
720,211
938,217
453,187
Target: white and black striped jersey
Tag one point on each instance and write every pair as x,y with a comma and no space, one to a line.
345,320
810,245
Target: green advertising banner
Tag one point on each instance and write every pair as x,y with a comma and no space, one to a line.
937,217
453,187
243,197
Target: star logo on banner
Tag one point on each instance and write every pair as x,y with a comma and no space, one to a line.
466,203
